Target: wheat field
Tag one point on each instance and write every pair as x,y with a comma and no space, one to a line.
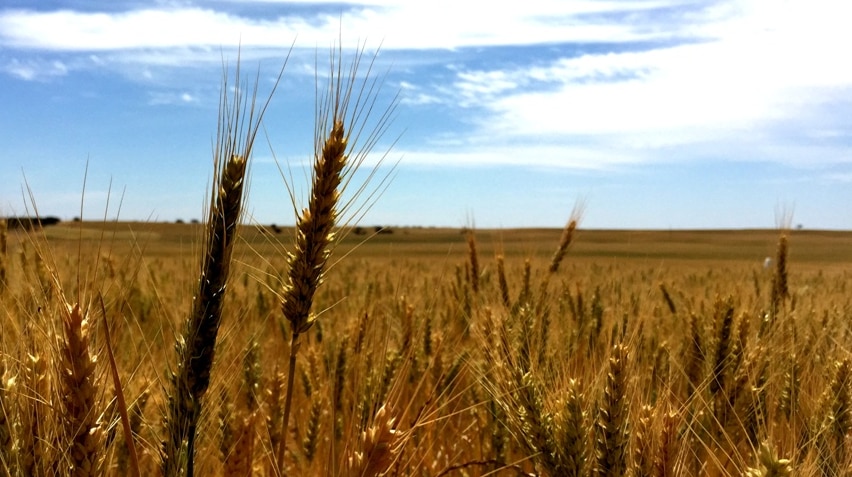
230,348
644,353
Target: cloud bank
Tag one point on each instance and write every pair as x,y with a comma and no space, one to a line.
610,84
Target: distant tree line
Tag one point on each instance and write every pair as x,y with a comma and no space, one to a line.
377,229
29,223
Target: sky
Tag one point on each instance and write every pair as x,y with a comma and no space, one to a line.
651,114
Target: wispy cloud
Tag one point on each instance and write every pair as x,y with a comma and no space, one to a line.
35,69
160,98
561,156
841,177
415,96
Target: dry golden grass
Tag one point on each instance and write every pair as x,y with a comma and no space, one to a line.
714,387
573,352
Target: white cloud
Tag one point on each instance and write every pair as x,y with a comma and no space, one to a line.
159,98
180,36
419,99
413,95
67,30
565,156
35,69
21,70
748,88
399,24
841,177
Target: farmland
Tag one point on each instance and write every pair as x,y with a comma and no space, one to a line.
445,352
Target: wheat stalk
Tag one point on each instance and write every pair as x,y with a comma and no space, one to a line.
79,390
694,357
313,248
564,242
668,299
239,458
724,317
643,444
525,293
837,421
501,280
136,415
312,431
334,164
3,256
573,431
314,233
274,413
611,429
31,444
196,348
497,423
780,290
379,444
788,398
473,275
666,455
226,426
770,465
6,424
340,369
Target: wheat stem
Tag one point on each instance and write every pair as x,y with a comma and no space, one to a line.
3,256
130,448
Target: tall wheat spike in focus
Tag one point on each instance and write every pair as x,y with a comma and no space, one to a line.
332,171
196,348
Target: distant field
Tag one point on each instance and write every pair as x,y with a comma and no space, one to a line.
808,248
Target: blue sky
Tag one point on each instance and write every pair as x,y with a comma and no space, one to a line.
653,113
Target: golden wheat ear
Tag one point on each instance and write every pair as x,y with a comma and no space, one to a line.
79,394
378,447
342,117
239,121
612,432
780,289
567,238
